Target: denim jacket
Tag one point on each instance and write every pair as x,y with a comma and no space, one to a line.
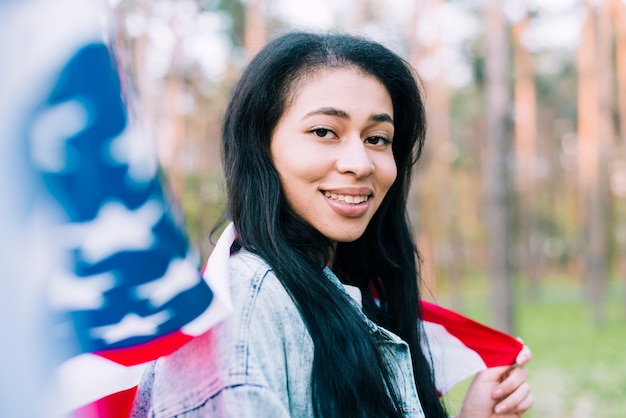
257,362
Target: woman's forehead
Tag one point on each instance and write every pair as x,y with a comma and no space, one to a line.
316,73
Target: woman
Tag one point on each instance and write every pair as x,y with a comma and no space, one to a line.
318,144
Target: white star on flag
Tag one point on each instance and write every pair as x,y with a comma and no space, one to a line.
136,150
50,131
115,229
73,293
180,276
132,325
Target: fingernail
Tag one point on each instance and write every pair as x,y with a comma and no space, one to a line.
500,408
498,393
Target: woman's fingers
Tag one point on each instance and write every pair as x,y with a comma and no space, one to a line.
524,356
500,391
510,380
513,393
517,401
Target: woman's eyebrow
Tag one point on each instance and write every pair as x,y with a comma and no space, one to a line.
382,117
331,111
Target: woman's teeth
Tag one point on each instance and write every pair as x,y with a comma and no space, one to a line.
346,198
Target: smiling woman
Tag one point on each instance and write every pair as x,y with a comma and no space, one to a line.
318,144
333,153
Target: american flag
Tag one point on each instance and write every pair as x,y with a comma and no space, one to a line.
123,285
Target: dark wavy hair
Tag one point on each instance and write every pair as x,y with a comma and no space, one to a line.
350,377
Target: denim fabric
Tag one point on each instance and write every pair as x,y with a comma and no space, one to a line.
257,362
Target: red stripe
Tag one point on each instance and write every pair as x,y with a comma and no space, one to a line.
142,353
117,405
494,347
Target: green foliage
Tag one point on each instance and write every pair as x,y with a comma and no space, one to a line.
203,203
235,10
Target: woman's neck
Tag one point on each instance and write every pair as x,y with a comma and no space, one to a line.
331,254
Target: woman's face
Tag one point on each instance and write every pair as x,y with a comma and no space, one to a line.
332,150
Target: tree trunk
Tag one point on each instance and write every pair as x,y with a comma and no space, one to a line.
174,136
591,150
422,197
254,29
525,117
495,171
360,14
607,149
619,21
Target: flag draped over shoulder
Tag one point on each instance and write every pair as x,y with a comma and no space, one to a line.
123,286
458,346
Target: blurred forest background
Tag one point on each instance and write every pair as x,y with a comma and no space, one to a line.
519,201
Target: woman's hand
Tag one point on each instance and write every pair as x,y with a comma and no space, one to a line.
500,391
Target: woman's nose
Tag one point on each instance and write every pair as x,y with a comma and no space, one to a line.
354,158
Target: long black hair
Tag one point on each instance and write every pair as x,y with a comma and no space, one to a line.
350,377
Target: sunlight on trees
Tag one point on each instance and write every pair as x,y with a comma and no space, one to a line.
566,161
522,185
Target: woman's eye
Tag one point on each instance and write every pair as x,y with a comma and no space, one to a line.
322,132
378,140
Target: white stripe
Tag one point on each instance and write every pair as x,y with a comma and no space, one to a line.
86,378
452,360
217,276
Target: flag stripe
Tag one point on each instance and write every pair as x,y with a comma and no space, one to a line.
87,378
494,347
452,361
116,405
161,346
